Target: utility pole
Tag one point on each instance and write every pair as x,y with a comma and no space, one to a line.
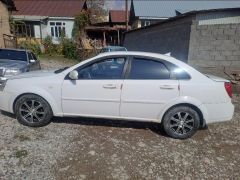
126,9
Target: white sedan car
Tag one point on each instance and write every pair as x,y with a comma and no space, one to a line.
122,85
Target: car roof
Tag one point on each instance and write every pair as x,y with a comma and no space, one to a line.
136,53
13,49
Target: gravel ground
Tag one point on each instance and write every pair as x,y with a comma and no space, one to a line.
80,148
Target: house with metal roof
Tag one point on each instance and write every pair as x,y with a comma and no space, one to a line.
40,18
144,13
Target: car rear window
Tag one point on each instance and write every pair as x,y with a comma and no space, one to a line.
13,55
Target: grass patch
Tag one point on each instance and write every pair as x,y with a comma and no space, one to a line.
21,154
58,58
22,137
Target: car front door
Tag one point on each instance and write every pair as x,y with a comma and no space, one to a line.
97,91
146,89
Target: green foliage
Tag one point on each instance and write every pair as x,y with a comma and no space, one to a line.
50,48
80,22
69,49
21,153
32,45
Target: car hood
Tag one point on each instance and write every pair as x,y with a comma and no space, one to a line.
42,73
8,64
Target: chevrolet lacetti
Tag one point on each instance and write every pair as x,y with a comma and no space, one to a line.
121,85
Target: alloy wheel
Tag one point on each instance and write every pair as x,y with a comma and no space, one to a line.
181,123
32,111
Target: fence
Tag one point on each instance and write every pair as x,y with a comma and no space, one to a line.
9,41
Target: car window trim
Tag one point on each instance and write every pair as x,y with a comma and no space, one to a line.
164,62
101,59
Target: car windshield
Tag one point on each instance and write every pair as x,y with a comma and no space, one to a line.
13,55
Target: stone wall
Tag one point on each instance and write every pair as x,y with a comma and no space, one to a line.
4,23
214,45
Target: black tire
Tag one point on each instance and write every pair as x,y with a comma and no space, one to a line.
32,110
181,122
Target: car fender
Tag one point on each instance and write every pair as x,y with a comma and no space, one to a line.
56,106
184,100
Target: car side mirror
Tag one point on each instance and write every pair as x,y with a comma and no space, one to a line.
73,75
32,61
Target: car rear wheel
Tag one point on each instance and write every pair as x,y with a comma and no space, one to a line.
33,111
181,122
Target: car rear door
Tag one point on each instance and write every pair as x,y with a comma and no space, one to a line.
147,89
97,92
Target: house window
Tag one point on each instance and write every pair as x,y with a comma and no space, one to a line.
57,29
24,30
147,23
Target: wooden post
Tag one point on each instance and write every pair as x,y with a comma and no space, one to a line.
41,32
126,4
104,38
118,37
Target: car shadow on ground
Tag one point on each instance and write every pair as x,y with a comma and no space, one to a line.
154,127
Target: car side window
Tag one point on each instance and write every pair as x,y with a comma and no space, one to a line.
111,68
148,69
177,72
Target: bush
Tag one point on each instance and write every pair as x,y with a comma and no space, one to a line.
49,46
69,49
32,45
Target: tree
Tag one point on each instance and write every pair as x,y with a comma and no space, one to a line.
97,12
79,34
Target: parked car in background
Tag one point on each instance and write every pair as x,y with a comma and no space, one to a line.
16,61
113,49
122,85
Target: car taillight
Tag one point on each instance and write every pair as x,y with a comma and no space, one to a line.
228,87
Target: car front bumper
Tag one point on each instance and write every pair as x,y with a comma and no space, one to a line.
6,101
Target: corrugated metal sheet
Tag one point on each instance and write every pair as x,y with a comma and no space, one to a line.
55,8
117,16
158,8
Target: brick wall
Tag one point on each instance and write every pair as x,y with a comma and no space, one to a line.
4,23
214,45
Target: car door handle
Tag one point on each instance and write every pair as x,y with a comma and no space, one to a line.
109,86
167,87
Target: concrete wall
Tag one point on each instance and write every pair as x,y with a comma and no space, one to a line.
4,22
217,43
162,38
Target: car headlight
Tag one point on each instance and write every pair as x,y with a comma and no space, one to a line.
3,82
12,72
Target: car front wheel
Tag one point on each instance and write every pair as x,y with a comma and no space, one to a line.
33,111
181,122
